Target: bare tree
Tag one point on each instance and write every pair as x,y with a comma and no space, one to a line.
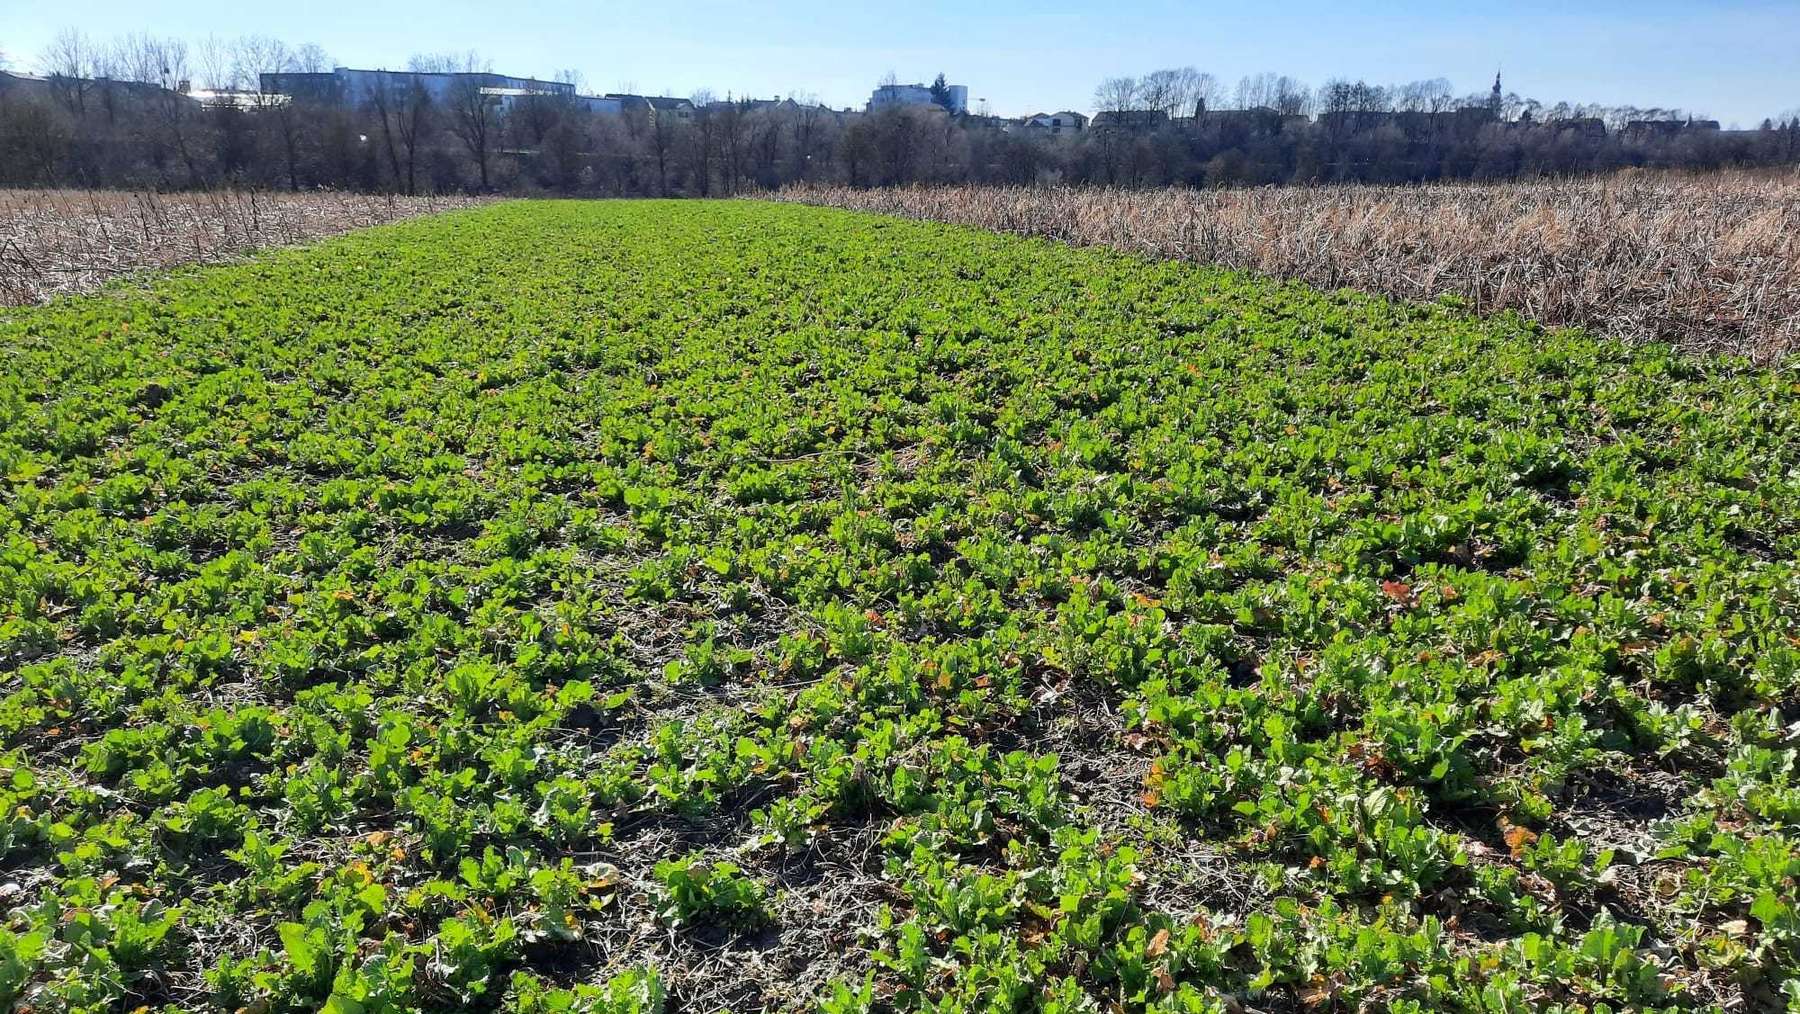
213,64
252,56
1428,100
1351,106
1117,95
165,63
1164,90
69,64
703,142
32,144
809,120
114,115
1292,98
405,115
139,59
733,141
474,112
440,63
534,117
662,132
418,121
1431,96
1253,90
900,134
311,58
1200,92
384,102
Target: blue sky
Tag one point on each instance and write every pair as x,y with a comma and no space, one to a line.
1738,61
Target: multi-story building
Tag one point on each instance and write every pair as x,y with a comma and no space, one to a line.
352,87
889,95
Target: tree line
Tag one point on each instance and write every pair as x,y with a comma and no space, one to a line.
143,111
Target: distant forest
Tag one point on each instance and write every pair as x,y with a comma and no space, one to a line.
150,112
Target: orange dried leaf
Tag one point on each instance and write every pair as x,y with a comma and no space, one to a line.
1518,839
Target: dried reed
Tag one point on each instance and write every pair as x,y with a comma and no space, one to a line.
58,241
1706,262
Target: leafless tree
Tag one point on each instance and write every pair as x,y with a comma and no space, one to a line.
703,140
139,59
534,117
1202,92
1292,98
444,63
733,141
213,64
1162,90
252,56
474,113
1269,90
1431,96
70,65
1175,91
1117,95
663,132
32,143
112,115
809,121
311,58
899,143
165,63
405,116
1349,106
764,144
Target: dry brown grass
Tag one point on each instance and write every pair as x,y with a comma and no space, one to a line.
1707,262
58,241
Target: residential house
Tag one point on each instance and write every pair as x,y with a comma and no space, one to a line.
1259,120
1587,128
1064,122
1646,129
1134,120
655,106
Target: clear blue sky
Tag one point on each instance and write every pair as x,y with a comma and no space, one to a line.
1738,61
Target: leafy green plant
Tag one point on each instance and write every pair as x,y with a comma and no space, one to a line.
1134,635
694,893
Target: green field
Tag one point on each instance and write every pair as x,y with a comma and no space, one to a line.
622,606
